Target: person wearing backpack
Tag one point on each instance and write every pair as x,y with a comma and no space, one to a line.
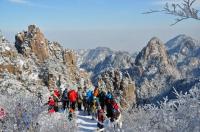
72,94
115,111
65,100
84,100
96,92
89,99
101,117
108,100
94,107
56,97
51,104
80,99
102,97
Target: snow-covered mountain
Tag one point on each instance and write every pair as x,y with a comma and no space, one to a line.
88,59
31,70
101,58
154,71
185,52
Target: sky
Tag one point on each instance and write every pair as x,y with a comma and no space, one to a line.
83,24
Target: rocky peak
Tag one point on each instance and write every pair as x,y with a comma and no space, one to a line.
181,43
32,41
185,53
156,70
153,53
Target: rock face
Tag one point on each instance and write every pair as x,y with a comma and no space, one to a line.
185,52
32,41
38,61
156,71
8,60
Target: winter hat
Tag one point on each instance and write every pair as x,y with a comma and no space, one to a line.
99,107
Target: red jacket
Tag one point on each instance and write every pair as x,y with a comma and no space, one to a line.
51,102
56,93
72,94
115,106
51,111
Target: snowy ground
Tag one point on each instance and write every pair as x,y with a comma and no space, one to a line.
85,122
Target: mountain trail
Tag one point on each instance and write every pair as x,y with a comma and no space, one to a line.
85,122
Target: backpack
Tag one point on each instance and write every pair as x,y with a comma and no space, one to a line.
115,110
109,96
101,116
89,96
96,92
102,96
65,95
72,96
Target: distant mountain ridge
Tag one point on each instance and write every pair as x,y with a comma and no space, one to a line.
155,70
185,52
102,58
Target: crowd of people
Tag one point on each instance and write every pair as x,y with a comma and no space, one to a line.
98,103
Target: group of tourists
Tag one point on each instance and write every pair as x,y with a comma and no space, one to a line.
98,103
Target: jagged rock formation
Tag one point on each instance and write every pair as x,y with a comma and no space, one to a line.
50,58
37,63
32,41
185,52
156,72
18,75
120,84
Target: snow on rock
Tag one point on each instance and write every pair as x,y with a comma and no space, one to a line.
185,52
154,71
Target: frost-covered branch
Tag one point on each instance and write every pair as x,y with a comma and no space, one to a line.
181,11
181,114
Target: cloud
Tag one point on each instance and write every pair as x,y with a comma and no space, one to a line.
19,1
31,4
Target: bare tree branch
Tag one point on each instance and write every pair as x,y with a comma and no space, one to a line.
182,11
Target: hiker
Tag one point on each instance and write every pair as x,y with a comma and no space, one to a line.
72,98
100,117
80,99
39,95
56,98
94,107
108,104
58,83
115,111
96,91
89,99
65,100
109,95
51,104
102,97
84,100
70,116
